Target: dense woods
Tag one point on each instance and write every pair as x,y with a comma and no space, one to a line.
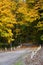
21,21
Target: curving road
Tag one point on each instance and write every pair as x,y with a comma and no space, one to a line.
8,58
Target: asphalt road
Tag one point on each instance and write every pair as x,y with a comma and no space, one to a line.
8,58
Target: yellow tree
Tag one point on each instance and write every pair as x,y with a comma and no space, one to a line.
7,19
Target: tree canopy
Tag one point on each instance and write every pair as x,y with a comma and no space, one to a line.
21,20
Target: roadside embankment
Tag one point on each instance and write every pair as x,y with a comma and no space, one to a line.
37,59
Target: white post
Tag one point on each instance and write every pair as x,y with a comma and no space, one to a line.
5,49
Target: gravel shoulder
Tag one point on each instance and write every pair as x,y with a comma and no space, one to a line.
36,60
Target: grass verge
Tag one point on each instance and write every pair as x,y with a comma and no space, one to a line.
19,63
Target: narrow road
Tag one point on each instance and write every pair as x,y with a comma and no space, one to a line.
8,58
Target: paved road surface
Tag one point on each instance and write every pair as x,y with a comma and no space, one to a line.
8,58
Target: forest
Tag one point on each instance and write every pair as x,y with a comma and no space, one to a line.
21,21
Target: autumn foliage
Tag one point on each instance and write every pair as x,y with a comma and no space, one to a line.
21,21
